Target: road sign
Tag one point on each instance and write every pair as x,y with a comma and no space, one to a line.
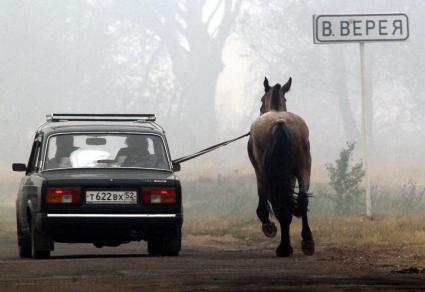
360,27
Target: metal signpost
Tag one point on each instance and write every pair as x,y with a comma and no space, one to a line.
361,28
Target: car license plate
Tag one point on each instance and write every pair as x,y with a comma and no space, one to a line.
111,197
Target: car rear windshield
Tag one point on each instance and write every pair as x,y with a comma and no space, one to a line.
106,151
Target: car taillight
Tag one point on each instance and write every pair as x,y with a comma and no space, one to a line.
159,195
59,195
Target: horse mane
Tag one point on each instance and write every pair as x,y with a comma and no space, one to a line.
275,99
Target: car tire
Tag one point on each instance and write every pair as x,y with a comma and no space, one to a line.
24,241
24,245
36,238
172,243
154,247
36,253
41,254
168,244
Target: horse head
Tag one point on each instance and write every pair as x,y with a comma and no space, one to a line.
274,97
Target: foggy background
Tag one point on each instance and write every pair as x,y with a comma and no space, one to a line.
199,65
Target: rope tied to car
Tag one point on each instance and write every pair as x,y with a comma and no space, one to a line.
209,149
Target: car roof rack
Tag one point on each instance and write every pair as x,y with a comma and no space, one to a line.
54,117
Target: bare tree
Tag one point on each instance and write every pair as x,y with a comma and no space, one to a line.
192,38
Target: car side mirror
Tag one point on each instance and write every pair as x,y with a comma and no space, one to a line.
176,167
19,167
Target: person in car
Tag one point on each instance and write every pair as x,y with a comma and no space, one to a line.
136,153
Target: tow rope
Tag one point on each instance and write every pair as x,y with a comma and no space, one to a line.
209,149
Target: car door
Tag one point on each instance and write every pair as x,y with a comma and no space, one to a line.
29,193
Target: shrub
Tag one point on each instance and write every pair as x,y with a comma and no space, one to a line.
345,181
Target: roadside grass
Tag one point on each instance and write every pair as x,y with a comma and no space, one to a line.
7,223
7,230
221,213
393,239
387,239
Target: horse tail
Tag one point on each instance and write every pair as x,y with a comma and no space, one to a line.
278,168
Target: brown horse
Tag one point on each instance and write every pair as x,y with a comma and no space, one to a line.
279,150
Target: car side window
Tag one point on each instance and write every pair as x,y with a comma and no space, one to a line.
34,161
37,161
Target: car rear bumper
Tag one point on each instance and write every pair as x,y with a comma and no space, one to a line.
82,215
91,227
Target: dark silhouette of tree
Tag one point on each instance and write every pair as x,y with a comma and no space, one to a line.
192,39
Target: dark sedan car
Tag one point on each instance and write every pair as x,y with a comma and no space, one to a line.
101,179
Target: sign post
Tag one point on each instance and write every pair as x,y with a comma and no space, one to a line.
365,132
361,28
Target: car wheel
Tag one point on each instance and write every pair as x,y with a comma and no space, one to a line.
172,243
24,245
24,241
154,247
37,253
41,254
37,239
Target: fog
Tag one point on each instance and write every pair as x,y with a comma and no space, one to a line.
199,66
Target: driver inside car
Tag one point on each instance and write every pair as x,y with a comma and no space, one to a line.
136,153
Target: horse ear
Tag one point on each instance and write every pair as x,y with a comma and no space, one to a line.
266,84
287,86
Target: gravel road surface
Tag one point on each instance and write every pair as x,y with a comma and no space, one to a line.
82,267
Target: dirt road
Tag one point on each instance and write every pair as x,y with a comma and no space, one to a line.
81,267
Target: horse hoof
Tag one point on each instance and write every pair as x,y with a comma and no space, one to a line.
284,251
307,246
269,229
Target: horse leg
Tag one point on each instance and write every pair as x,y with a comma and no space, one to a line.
268,227
307,244
285,218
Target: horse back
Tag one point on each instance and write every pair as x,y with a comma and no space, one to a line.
261,135
261,128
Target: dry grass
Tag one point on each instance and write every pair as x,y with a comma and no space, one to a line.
7,230
387,240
